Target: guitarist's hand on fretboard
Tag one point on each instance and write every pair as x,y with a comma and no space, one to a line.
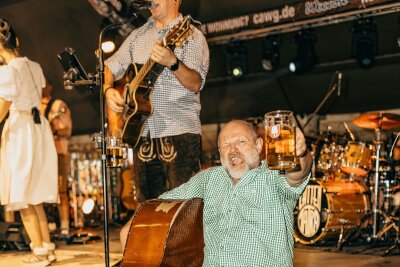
163,55
114,100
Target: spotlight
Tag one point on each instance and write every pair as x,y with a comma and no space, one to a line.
306,57
236,59
108,46
364,43
91,212
111,38
88,206
270,57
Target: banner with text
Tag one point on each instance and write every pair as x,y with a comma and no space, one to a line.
284,14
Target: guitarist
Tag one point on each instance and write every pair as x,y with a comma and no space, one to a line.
168,152
59,116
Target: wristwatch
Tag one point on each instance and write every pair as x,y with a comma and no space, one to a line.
175,66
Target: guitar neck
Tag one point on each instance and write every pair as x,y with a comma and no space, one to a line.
142,74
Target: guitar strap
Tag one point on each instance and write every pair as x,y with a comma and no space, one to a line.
48,107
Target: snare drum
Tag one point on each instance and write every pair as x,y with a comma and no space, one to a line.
356,159
327,207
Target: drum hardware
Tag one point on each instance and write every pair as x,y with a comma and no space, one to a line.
343,226
341,234
334,85
393,146
334,211
377,121
349,131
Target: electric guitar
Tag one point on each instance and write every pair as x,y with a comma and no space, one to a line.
140,83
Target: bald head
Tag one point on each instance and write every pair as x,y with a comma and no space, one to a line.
239,126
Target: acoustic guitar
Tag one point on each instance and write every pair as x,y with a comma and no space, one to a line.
140,83
129,190
166,233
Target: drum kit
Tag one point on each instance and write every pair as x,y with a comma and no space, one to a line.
357,189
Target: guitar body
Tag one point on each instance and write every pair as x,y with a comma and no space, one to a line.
166,233
138,108
128,193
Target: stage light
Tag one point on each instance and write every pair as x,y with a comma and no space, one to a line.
270,56
236,59
364,42
305,58
108,46
88,206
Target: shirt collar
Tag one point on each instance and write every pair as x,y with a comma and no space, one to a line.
171,24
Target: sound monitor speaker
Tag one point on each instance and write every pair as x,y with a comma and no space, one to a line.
3,231
13,237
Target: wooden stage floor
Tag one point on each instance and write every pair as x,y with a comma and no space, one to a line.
305,256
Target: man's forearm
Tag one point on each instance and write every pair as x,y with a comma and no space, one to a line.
108,78
188,77
296,177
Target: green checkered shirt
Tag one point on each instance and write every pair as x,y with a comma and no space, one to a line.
248,224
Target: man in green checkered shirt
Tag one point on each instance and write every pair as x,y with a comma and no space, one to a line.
248,209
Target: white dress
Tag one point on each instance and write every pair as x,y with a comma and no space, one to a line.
28,158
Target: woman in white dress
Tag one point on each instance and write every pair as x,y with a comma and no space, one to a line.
28,158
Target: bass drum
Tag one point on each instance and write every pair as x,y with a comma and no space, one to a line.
327,207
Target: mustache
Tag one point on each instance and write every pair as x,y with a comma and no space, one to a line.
235,155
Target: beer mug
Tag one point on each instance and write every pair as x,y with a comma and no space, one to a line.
116,152
280,140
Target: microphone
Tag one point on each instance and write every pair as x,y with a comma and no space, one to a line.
339,82
142,4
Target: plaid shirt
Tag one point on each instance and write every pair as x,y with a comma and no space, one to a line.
176,110
247,224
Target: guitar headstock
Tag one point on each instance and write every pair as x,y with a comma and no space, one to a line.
179,34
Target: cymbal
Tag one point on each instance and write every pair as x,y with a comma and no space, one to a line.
374,119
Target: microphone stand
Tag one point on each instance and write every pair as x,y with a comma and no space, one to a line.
333,87
100,74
